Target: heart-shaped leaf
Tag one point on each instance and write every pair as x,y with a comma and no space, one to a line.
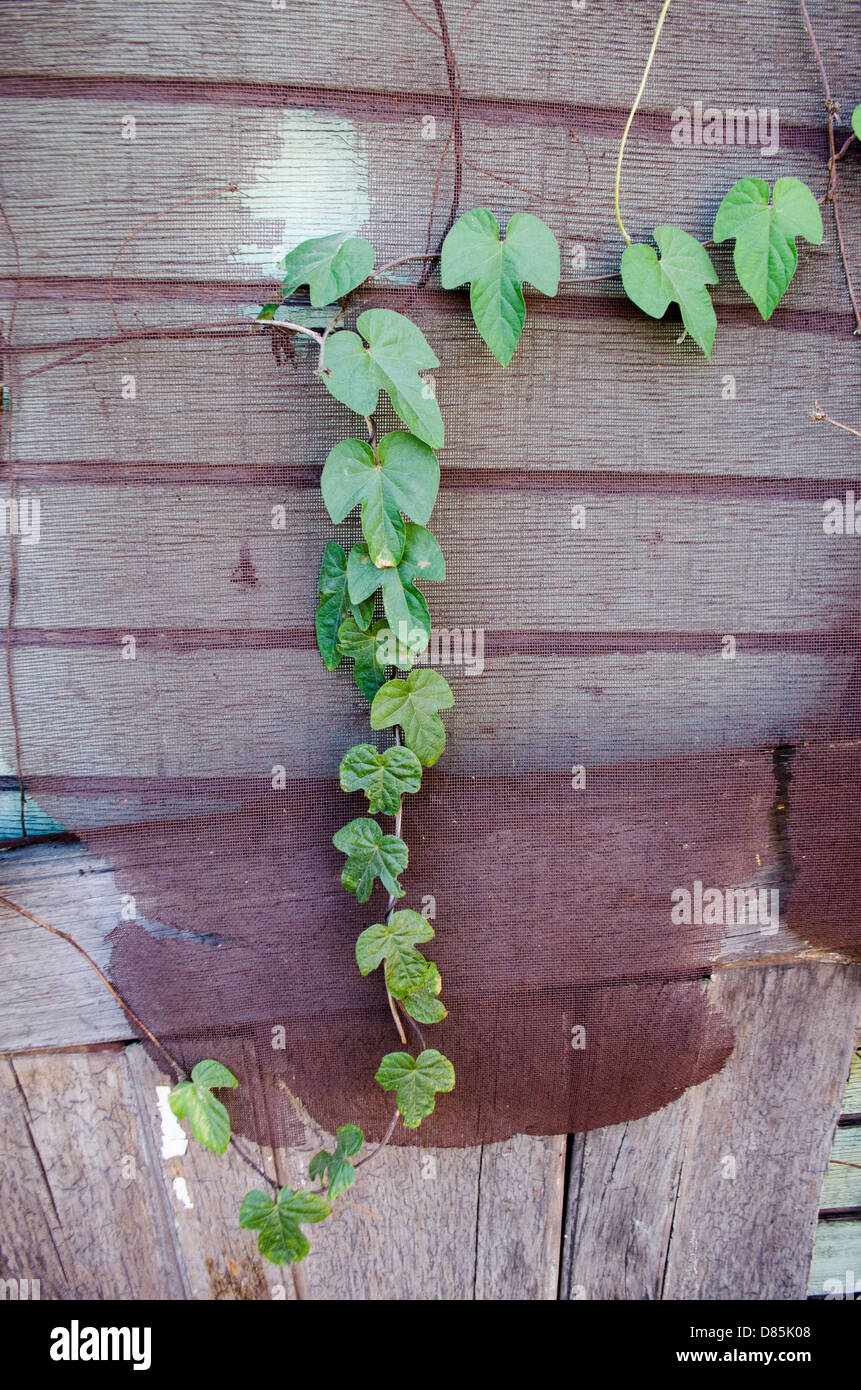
413,703
416,1081
279,1238
423,1004
765,256
404,477
395,943
209,1120
335,1167
405,606
681,275
472,251
395,354
370,855
334,604
330,266
384,777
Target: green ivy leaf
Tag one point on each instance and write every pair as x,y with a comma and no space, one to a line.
423,1003
416,1081
334,604
397,351
413,703
335,1168
330,266
765,256
395,943
384,777
681,274
370,855
405,606
856,121
406,479
277,1223
496,270
209,1120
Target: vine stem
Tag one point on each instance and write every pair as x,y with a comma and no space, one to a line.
393,902
817,413
630,120
55,931
832,107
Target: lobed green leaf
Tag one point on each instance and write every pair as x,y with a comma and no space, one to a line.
278,1222
681,275
416,1081
330,266
395,943
395,354
370,855
193,1100
472,252
384,777
412,703
765,255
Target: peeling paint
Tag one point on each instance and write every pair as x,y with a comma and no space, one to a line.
180,1192
317,185
174,1140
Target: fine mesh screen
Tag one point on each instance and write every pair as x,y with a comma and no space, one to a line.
652,641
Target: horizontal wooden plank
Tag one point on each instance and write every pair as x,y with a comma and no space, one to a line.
141,557
733,54
622,397
210,713
836,1261
218,193
852,1095
841,1186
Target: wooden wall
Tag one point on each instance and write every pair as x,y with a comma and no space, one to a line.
254,125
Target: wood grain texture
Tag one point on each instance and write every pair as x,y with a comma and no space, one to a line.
623,396
732,54
82,1213
653,1211
210,193
139,556
51,998
774,1114
836,1269
74,1122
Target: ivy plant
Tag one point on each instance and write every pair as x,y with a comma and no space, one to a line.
393,482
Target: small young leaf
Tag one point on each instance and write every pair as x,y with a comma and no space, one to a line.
277,1223
856,121
423,1004
496,270
384,777
330,266
406,479
413,703
370,855
209,1120
765,256
416,1081
397,351
681,274
405,606
395,943
334,604
335,1167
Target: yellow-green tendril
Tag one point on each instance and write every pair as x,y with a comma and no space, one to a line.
649,61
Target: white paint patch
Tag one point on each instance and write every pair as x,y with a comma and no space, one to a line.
317,185
180,1192
174,1140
